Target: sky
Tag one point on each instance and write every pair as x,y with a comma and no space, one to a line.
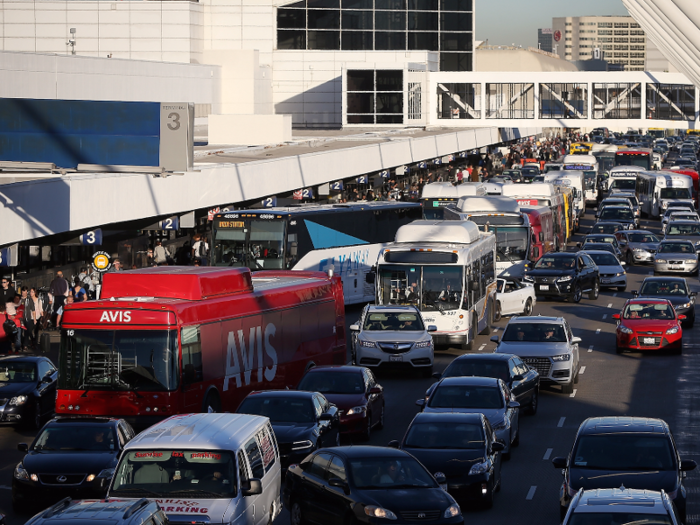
507,22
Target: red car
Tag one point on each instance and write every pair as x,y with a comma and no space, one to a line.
356,393
649,324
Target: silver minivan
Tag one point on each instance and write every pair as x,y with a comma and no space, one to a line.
211,468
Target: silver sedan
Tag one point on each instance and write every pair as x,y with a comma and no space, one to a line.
676,257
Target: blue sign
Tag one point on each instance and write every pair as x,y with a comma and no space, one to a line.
462,154
437,162
422,165
580,167
172,223
337,186
91,238
269,202
307,193
363,179
384,174
5,258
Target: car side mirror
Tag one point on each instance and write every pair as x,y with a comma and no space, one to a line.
22,447
440,478
635,293
325,417
337,482
47,379
688,464
432,328
252,488
575,340
513,404
420,402
375,390
497,446
518,377
616,316
437,375
559,462
693,294
623,263
494,338
354,327
394,443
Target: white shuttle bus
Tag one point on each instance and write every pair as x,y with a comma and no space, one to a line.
502,216
438,195
447,270
623,178
588,164
657,191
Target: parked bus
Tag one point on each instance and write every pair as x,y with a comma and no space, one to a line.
502,216
634,157
588,164
174,340
543,194
343,237
541,229
438,195
447,270
623,178
656,191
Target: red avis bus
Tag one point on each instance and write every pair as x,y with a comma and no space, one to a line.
174,340
541,230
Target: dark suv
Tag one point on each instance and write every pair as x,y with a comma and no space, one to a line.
566,275
637,452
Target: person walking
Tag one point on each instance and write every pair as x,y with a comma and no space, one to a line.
7,292
160,254
59,289
33,310
200,250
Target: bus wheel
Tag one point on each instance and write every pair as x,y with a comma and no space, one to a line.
489,320
497,312
212,403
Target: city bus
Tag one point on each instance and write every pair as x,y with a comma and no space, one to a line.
502,216
438,195
563,185
343,237
447,270
656,191
634,157
657,133
623,178
588,164
175,340
541,229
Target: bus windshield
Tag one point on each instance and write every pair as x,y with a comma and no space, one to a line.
145,360
623,184
511,243
435,210
590,177
674,193
254,243
637,159
430,288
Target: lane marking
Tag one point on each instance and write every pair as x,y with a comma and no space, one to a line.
573,394
583,369
604,317
561,421
495,330
609,305
482,347
590,348
597,331
548,454
531,492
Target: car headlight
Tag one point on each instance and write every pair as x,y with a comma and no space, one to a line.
563,357
564,279
640,250
356,410
680,306
662,261
528,279
18,400
501,424
664,204
452,511
368,344
619,274
479,468
622,328
302,445
378,512
20,473
672,330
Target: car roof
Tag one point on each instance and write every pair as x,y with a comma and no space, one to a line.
685,222
600,252
621,500
668,241
447,417
281,393
368,451
537,318
622,425
638,231
469,381
23,358
647,300
664,279
66,420
91,511
606,223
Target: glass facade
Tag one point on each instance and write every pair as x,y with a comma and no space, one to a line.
459,101
445,26
510,101
617,101
375,96
670,102
560,101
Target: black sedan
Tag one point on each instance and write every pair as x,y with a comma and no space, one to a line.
523,381
676,290
463,449
607,227
566,275
366,485
27,389
302,421
70,457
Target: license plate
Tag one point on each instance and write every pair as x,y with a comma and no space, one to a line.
649,340
605,281
544,287
395,358
675,267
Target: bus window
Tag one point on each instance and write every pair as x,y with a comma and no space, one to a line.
191,354
441,288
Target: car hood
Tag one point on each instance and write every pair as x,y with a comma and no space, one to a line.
8,390
530,349
646,325
386,336
633,479
644,245
49,462
494,415
548,272
346,401
290,432
677,256
610,269
401,500
216,509
675,299
449,462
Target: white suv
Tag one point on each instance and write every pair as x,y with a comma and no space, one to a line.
545,344
393,336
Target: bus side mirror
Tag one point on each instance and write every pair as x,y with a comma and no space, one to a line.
253,487
370,276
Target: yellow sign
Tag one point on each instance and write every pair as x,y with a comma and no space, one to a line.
101,262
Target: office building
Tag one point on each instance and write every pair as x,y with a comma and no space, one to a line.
544,39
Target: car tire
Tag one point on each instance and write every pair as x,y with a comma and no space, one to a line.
618,349
576,296
497,312
595,292
380,423
534,402
296,516
567,388
562,512
527,311
630,259
622,288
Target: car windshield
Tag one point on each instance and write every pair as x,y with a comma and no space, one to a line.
390,473
602,238
676,247
478,368
663,288
683,229
618,518
535,333
466,396
76,437
627,451
674,193
547,262
616,214
606,227
683,217
604,259
17,372
393,322
599,246
643,237
622,184
333,382
652,312
445,435
279,409
203,474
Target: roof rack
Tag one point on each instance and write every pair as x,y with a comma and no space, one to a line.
51,511
135,507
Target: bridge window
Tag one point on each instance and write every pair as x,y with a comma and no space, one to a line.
617,100
458,101
375,96
670,101
510,101
563,101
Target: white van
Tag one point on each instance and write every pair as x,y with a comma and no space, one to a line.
204,468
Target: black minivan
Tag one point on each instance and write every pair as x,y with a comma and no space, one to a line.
565,275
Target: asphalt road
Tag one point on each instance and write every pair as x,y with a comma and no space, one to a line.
663,386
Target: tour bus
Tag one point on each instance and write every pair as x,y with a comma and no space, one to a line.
438,195
657,133
542,194
623,178
634,157
541,229
343,237
502,216
588,164
174,340
657,190
447,270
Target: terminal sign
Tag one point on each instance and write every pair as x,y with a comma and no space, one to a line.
92,238
9,256
172,223
269,202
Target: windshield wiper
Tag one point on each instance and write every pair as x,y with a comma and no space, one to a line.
500,250
87,383
440,308
138,489
195,491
